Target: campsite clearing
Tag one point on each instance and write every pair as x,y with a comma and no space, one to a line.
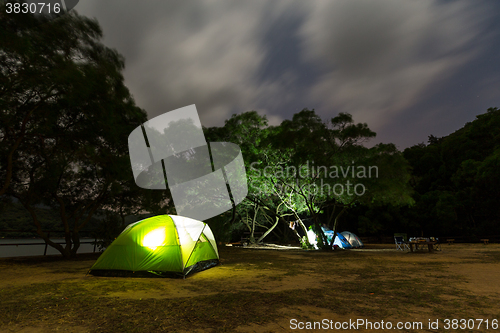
255,290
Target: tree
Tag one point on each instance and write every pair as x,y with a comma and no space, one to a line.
65,119
249,130
306,167
332,170
455,179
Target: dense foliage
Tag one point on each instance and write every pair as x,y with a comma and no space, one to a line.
310,169
455,180
64,122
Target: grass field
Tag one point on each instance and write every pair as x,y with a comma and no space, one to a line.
261,290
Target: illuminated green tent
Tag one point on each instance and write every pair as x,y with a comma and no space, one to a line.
163,245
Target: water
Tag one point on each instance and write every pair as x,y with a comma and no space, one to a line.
7,251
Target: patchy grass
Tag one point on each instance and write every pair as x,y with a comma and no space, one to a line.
253,290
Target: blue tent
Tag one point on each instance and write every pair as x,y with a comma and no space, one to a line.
340,240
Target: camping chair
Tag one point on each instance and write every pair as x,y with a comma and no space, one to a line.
437,246
401,244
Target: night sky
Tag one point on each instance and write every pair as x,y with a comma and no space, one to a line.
407,68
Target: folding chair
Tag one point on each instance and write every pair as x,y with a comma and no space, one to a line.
401,244
437,246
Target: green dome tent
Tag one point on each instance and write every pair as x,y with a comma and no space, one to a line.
163,245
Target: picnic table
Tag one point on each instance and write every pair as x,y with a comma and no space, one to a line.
421,242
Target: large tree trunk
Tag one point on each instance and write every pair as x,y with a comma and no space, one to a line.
76,243
270,229
335,225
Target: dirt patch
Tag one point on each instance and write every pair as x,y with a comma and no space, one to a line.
481,279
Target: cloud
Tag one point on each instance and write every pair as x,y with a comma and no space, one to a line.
380,57
200,52
384,61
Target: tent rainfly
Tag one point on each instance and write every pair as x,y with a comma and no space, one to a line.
164,245
352,239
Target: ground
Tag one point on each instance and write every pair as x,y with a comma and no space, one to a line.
260,290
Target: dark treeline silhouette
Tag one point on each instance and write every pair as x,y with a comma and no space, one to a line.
65,115
456,181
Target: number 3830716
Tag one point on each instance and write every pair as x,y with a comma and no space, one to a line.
32,8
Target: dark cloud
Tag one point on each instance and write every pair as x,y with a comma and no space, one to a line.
198,52
381,58
407,68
